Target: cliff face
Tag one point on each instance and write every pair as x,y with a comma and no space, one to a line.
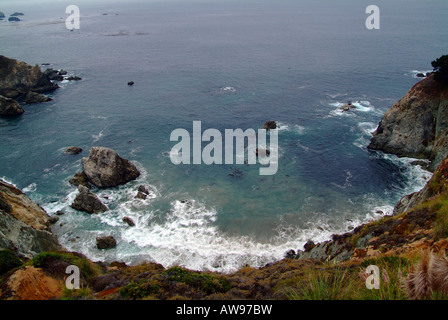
18,78
417,125
24,225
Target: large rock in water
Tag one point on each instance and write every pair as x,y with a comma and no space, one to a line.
10,107
87,201
417,125
24,225
18,78
104,168
106,242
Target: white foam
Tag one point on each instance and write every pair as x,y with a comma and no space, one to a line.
8,181
188,235
98,136
366,131
415,72
281,126
227,89
30,188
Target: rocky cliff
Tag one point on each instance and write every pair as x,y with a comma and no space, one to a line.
417,125
24,225
18,78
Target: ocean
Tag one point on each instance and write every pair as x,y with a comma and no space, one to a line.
229,64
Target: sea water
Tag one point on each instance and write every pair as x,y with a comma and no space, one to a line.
229,64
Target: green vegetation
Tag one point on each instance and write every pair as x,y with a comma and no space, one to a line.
79,294
440,66
139,290
206,283
175,283
56,262
323,286
391,274
8,261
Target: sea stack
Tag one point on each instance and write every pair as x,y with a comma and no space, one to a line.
104,168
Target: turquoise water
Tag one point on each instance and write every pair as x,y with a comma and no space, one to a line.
233,64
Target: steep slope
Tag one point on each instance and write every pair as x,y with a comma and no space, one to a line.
416,126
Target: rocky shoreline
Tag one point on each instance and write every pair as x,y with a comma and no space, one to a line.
33,263
23,82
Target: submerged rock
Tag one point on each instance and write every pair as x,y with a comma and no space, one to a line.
13,19
73,150
34,97
10,107
142,192
129,221
348,106
106,242
104,168
141,195
73,78
88,202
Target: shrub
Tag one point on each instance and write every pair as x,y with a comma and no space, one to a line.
56,263
8,261
139,290
322,286
440,66
206,283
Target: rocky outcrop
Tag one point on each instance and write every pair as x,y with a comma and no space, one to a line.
24,225
73,150
18,78
107,242
87,201
129,221
34,97
104,168
348,106
30,283
73,78
435,186
53,74
270,125
13,19
142,192
80,178
10,107
417,125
